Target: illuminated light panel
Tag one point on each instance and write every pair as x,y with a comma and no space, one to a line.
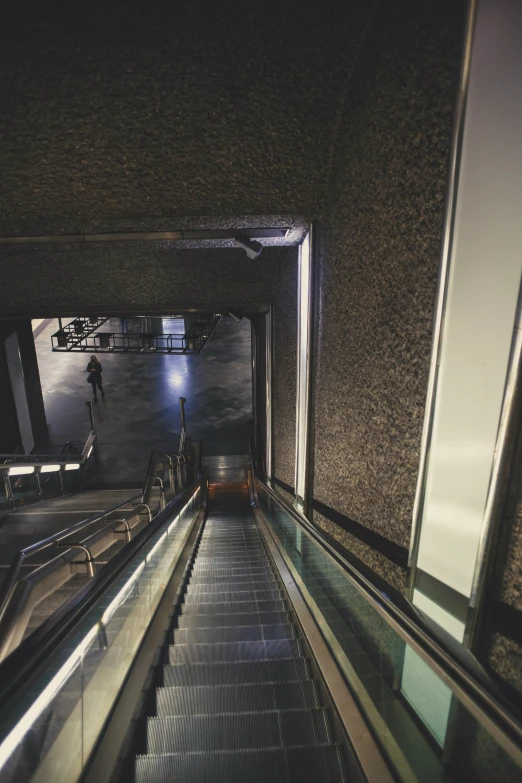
21,470
49,468
72,466
90,452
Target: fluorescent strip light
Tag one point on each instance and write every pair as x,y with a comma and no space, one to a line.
21,470
72,466
156,545
16,735
49,468
174,523
122,595
89,452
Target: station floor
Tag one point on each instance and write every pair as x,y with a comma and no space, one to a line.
140,411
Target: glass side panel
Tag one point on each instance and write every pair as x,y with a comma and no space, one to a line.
50,733
425,730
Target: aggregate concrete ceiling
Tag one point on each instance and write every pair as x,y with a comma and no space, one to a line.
162,115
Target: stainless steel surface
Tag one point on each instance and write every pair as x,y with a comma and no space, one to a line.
89,561
366,749
38,485
509,428
12,576
490,713
442,287
269,332
9,490
304,361
253,342
183,436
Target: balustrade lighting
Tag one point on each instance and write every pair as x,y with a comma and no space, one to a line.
72,466
21,470
49,468
89,452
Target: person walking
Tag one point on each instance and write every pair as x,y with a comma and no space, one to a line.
94,369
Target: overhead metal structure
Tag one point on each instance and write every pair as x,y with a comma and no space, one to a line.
82,336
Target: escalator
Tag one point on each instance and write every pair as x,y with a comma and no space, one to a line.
228,642
237,697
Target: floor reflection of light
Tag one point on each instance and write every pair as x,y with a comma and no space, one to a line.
176,372
176,379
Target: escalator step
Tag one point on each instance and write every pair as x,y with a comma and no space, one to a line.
189,733
235,673
217,596
232,607
225,620
207,699
232,572
233,633
210,547
232,584
234,651
251,555
292,765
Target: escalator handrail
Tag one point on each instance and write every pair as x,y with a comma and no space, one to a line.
14,569
467,675
19,667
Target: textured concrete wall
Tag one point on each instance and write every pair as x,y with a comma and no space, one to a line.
132,277
379,248
167,109
285,369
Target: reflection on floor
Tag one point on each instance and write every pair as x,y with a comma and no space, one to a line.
140,411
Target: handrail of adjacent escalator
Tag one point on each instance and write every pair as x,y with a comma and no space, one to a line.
15,670
38,546
461,668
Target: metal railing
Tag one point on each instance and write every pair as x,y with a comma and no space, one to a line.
82,335
19,596
36,465
24,692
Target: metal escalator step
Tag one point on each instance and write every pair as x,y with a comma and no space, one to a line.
248,730
232,558
220,699
231,572
234,552
292,765
256,552
227,546
234,651
233,633
218,620
239,537
239,672
241,564
251,555
232,584
232,607
194,595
